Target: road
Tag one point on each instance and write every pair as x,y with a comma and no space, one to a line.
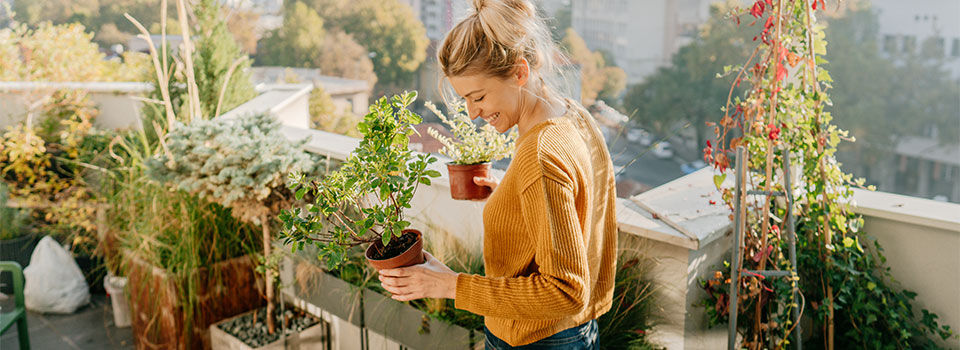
647,169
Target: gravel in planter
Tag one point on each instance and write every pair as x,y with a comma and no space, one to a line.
255,334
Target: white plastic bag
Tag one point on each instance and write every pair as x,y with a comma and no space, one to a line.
54,282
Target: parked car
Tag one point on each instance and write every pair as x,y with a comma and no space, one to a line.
663,150
639,135
690,167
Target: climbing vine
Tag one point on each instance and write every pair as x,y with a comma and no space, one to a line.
844,287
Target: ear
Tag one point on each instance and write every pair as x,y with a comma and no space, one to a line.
522,73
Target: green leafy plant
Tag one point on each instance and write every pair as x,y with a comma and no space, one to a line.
14,219
844,286
362,201
472,146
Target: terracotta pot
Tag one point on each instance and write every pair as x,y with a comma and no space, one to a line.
412,256
462,186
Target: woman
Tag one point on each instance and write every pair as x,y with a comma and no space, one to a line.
549,226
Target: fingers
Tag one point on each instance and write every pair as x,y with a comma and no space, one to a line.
400,290
405,297
400,272
488,181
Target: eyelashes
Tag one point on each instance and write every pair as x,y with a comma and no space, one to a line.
480,99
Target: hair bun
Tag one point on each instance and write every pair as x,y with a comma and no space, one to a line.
478,5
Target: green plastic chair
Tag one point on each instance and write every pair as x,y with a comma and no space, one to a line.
19,313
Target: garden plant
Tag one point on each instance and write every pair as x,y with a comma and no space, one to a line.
471,150
844,287
364,200
239,164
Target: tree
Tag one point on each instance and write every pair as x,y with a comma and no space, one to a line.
597,79
94,14
243,25
688,90
560,21
302,41
389,30
873,91
218,58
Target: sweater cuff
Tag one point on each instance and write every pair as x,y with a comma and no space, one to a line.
466,298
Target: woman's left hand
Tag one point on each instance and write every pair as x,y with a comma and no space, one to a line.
432,279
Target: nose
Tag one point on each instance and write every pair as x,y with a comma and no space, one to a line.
473,111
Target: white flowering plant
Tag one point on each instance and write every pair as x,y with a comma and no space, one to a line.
471,145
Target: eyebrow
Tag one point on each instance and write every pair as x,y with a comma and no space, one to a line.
471,93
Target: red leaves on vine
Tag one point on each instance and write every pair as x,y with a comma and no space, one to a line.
757,9
822,4
781,72
773,132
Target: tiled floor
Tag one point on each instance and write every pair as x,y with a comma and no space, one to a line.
91,327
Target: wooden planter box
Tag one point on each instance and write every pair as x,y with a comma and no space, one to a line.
225,289
310,338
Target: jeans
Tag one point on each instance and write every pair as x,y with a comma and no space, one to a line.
575,338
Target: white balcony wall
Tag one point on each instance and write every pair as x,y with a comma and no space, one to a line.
921,240
119,103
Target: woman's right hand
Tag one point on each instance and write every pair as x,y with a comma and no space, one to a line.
488,181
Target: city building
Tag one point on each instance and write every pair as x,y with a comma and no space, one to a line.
641,35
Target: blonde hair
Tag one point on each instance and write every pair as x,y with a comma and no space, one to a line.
495,36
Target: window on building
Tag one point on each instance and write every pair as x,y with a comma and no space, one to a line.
889,43
934,47
909,44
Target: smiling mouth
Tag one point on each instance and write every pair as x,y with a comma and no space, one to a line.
490,119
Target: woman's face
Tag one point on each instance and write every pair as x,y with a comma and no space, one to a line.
496,100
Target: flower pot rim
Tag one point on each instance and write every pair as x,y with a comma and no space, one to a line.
454,163
404,231
22,237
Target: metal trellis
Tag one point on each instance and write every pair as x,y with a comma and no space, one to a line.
738,222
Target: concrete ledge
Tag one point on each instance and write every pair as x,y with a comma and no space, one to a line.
913,210
99,87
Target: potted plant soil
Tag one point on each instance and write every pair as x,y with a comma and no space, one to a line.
363,201
472,150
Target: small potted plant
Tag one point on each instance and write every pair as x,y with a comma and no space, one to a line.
17,239
363,201
472,151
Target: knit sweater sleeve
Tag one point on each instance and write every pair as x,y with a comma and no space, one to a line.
559,286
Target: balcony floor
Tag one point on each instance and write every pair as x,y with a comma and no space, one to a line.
90,327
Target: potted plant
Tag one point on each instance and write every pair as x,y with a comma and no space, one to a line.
17,239
472,151
363,201
239,164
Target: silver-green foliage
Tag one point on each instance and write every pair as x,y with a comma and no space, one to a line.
472,145
239,163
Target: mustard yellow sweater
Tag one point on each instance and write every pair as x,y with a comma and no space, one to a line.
550,234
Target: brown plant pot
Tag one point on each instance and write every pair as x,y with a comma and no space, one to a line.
411,256
224,289
462,186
